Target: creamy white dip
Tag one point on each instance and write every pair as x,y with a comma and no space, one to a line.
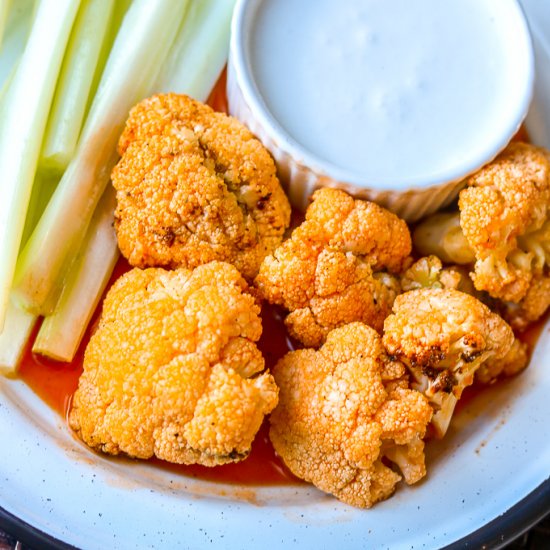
392,92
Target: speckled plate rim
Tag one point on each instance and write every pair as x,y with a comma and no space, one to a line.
496,534
29,535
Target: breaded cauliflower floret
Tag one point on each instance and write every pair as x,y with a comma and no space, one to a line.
502,228
173,370
194,185
444,336
345,413
428,272
337,267
504,216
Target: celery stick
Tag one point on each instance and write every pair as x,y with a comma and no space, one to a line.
16,32
14,337
200,51
75,82
23,115
119,11
5,6
61,332
19,323
7,83
146,34
42,190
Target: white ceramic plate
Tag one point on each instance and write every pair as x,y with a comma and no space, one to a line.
496,455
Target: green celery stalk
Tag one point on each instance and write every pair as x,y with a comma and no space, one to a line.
75,82
61,332
19,323
5,6
119,11
23,115
14,38
42,190
143,42
200,51
13,339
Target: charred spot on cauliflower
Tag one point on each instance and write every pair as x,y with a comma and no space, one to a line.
337,267
444,336
346,420
194,185
173,369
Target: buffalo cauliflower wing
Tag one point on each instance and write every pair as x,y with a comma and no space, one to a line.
346,420
428,272
337,267
173,370
194,185
444,336
502,228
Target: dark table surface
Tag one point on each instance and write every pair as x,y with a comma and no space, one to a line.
537,538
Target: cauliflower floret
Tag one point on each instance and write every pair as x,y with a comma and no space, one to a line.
194,185
531,307
344,413
444,336
428,272
173,370
513,362
504,216
502,226
337,267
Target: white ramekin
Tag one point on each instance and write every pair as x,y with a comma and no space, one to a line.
302,172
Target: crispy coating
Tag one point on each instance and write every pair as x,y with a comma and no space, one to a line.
344,413
173,370
504,217
337,267
444,336
194,185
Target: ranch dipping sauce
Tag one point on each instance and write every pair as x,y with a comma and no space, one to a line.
385,94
